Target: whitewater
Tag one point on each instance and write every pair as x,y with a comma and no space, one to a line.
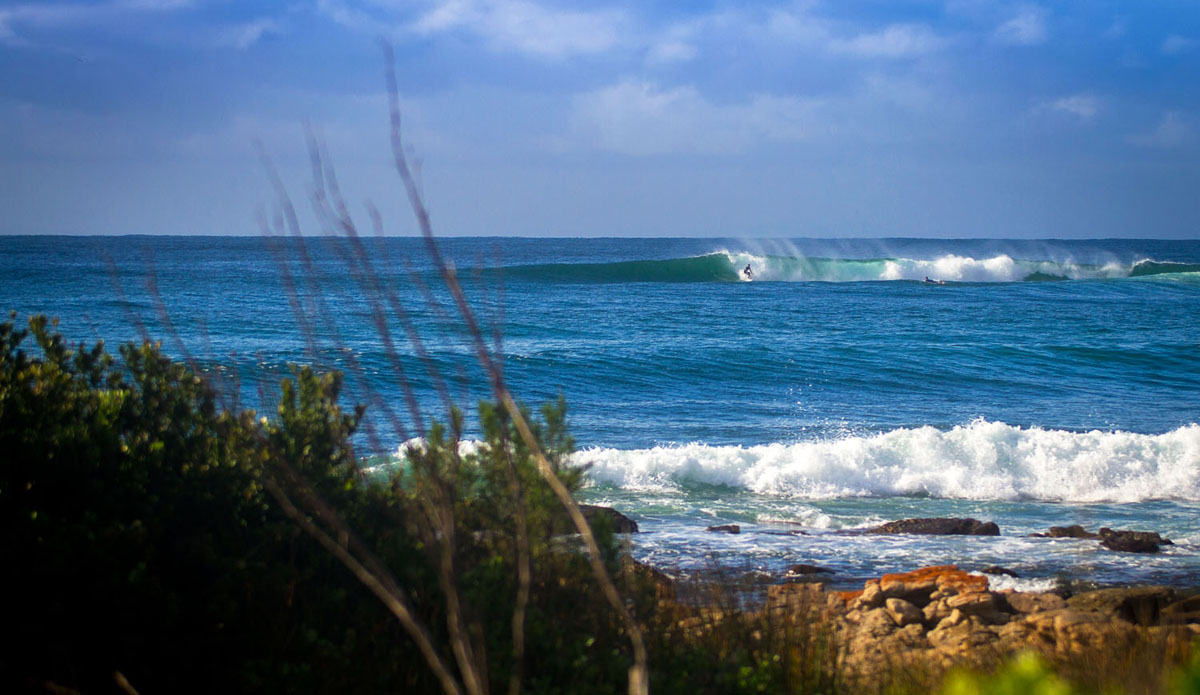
1033,383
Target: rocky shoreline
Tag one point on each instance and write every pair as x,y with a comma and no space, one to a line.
944,616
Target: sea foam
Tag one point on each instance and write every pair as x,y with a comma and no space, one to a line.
982,460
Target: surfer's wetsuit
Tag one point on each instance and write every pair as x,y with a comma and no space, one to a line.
747,272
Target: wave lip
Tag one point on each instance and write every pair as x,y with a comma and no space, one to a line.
981,460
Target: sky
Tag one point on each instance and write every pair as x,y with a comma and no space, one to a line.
847,118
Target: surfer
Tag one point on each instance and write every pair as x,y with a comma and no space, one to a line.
747,272
934,282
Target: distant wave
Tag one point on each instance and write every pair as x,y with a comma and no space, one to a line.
726,266
983,460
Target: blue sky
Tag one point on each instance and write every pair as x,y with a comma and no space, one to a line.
962,118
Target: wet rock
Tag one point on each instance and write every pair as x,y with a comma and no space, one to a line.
1132,541
802,570
1073,531
997,570
726,528
620,522
939,526
561,524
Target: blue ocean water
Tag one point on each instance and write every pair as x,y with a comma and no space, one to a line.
1033,383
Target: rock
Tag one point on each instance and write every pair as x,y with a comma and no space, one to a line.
939,526
959,633
726,528
871,596
1138,605
561,522
876,623
936,612
797,598
1073,531
663,583
903,612
973,603
1028,602
1000,571
620,522
1132,541
1186,611
918,587
804,570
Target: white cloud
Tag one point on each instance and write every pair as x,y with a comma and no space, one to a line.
526,26
675,45
243,36
640,118
1171,131
21,22
1175,45
895,41
1081,105
1027,28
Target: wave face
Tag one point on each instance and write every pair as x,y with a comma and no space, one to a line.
980,461
727,266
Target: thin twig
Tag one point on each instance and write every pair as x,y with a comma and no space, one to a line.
638,681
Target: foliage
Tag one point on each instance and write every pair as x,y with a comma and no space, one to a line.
141,539
1027,674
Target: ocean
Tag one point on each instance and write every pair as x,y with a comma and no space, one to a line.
1030,383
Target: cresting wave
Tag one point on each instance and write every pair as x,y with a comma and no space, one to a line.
982,460
727,266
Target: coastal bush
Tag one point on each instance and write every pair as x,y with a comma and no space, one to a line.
142,539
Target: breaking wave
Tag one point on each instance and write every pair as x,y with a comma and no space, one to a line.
726,266
982,460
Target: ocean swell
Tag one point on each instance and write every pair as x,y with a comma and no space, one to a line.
728,266
982,460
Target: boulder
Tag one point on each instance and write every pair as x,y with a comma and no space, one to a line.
920,586
1073,531
940,527
1132,541
1185,611
871,596
1141,605
807,571
561,524
903,612
997,570
876,623
797,598
1029,602
620,522
661,582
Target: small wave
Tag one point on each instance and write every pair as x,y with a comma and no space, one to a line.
1148,268
727,266
982,460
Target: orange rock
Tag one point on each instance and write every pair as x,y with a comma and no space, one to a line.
848,596
919,585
